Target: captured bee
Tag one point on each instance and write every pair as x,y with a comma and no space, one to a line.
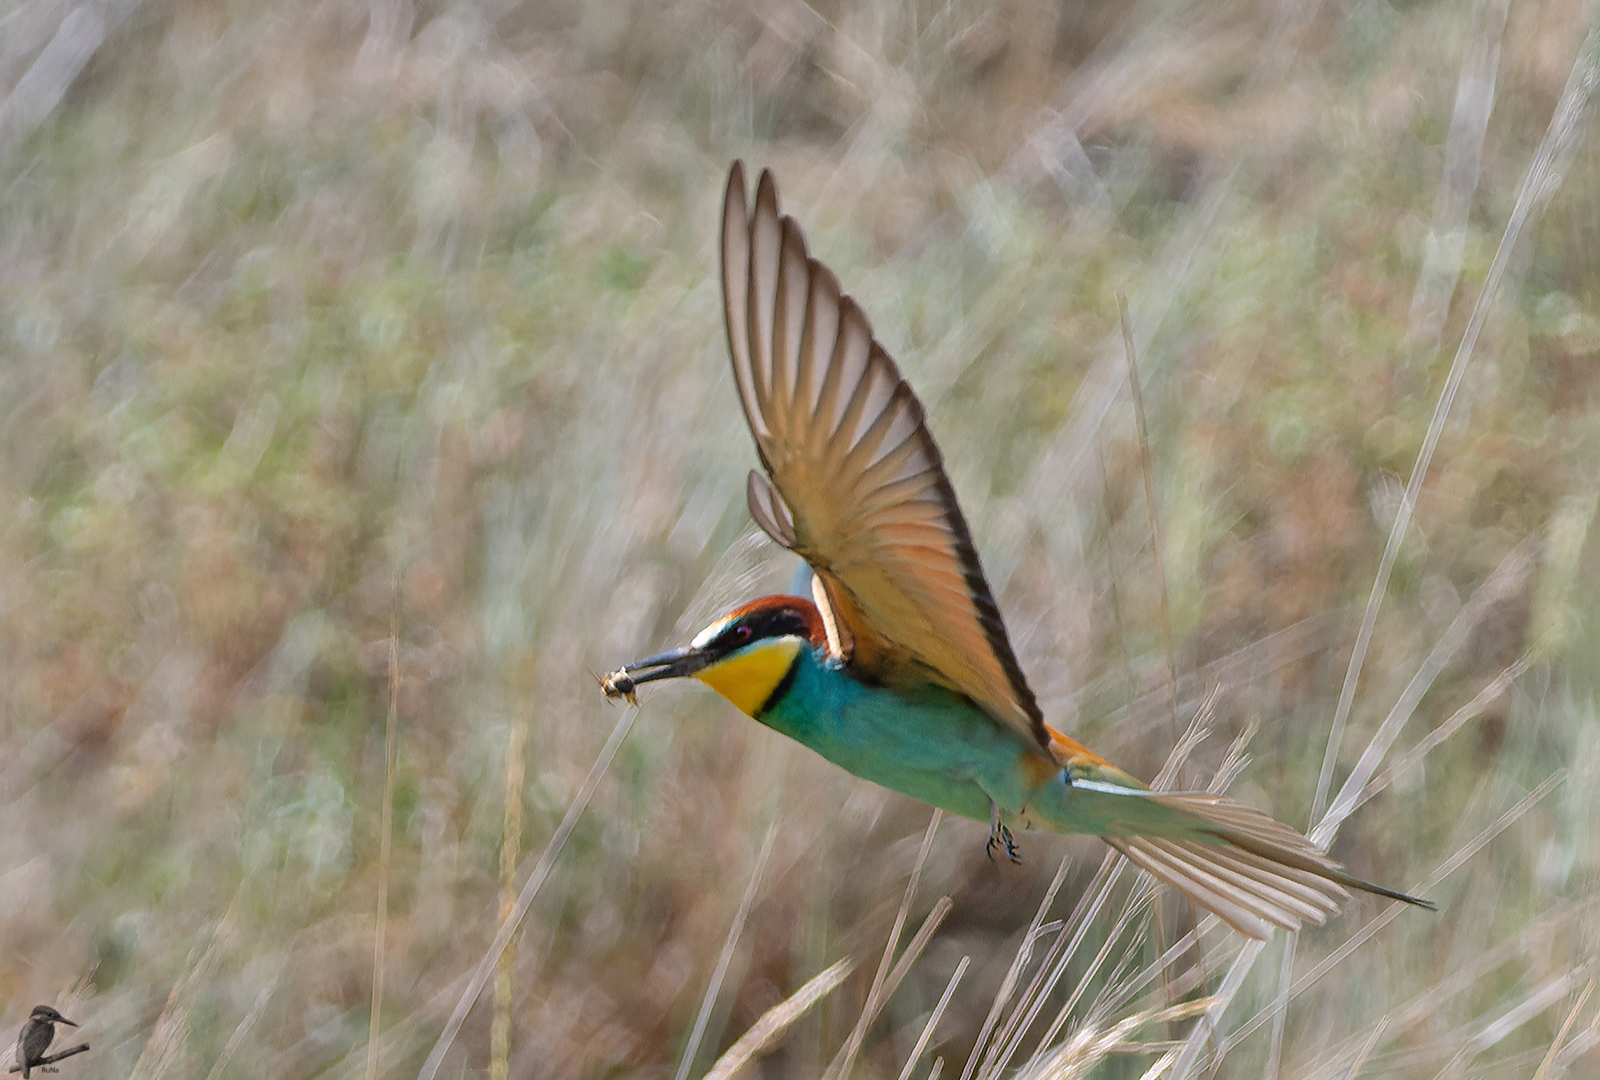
619,685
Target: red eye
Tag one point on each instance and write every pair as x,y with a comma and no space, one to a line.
742,632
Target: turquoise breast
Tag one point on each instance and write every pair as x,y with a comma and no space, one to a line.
931,744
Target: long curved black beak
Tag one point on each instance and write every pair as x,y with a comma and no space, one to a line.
673,664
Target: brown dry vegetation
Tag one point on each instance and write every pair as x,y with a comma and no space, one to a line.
299,300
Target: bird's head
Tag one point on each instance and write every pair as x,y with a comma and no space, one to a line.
46,1013
744,656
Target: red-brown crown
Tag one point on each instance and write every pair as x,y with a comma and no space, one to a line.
770,616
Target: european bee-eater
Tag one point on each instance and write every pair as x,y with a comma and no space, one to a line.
36,1036
898,669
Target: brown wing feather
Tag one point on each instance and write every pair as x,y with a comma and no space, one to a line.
857,485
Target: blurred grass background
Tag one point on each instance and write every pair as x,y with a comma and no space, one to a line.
315,312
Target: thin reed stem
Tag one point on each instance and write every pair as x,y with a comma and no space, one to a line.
510,852
530,889
840,1070
1146,472
709,1000
1543,178
385,833
776,1020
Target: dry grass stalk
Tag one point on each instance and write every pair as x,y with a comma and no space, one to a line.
891,982
1115,996
403,1037
1492,690
530,889
1095,1041
934,1018
1579,1046
1393,911
1280,1007
1544,177
1547,1063
171,1028
1365,1052
1008,1039
386,816
1458,180
1464,1044
1508,578
510,853
1424,1009
1135,908
776,1020
1024,953
1083,919
1145,474
840,1069
241,1030
709,1000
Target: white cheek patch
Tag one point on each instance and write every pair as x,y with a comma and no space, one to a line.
709,634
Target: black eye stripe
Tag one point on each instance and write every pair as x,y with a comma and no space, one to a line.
765,624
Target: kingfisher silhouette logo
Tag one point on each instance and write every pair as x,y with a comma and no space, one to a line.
34,1041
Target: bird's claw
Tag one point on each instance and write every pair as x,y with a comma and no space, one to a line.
1000,836
1003,839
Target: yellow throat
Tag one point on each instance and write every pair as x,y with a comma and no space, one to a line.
748,677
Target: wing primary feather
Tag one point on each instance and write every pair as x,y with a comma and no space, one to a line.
987,610
878,441
899,473
821,330
899,405
857,404
794,288
735,293
766,240
845,371
768,508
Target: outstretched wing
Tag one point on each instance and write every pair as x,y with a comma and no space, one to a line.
857,485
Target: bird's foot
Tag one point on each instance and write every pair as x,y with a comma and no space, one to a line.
1000,836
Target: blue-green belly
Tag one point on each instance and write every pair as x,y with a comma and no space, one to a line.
933,745
938,747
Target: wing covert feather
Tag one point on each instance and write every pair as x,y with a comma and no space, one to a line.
857,485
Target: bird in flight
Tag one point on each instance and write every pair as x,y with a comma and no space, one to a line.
898,667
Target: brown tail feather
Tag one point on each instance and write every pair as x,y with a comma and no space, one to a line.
1253,872
1252,900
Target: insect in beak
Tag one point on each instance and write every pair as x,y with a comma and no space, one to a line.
618,684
